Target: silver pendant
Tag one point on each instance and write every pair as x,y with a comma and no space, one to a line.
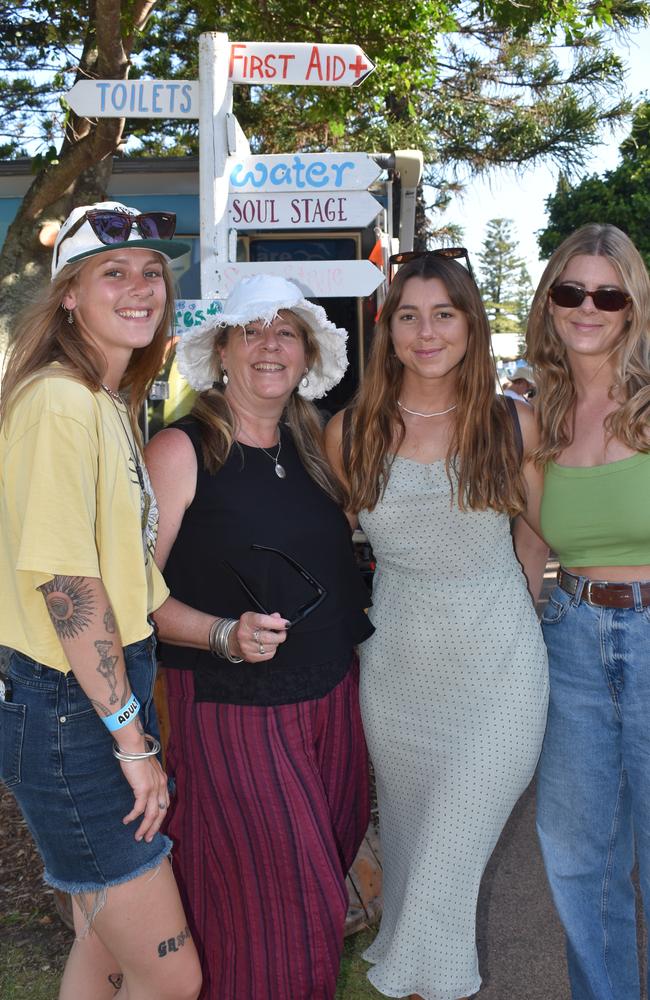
279,471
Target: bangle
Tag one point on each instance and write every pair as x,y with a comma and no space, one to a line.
123,715
154,748
218,639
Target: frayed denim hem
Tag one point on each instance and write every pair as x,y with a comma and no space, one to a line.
100,890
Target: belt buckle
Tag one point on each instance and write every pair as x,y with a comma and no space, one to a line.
586,592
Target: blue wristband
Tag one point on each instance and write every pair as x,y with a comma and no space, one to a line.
123,715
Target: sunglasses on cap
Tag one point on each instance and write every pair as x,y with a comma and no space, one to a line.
570,296
111,226
305,609
448,253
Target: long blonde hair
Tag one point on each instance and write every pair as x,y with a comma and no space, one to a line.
556,393
43,336
483,452
218,422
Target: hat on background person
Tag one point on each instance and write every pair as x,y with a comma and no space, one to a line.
523,371
262,297
77,238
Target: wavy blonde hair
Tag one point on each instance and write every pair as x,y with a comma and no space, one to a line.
218,421
483,453
556,392
43,336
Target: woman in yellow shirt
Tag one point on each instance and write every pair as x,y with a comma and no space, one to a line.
78,520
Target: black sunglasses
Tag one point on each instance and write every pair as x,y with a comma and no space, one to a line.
305,609
606,299
111,226
448,253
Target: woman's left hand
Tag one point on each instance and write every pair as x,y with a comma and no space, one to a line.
257,636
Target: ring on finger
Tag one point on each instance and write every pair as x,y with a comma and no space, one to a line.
256,635
261,649
162,805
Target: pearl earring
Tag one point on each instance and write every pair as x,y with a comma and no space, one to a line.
304,381
224,377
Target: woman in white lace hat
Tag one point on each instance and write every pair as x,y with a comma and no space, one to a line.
78,729
267,605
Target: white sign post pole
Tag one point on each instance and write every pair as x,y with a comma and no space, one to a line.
215,106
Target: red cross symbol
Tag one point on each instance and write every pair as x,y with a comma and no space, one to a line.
358,66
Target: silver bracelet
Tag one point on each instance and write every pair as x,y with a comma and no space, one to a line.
218,639
154,748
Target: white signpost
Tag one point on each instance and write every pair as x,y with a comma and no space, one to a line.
315,190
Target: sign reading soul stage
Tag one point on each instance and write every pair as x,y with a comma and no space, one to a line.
325,210
298,64
304,172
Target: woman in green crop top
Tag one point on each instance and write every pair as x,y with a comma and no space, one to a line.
588,338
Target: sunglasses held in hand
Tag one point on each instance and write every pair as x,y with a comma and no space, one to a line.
110,226
305,609
570,296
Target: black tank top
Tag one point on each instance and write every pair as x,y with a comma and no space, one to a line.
245,503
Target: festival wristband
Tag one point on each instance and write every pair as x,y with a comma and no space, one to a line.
123,715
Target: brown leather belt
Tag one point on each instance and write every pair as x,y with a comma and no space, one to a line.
603,594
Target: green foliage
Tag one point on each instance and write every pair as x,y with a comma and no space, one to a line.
505,283
621,196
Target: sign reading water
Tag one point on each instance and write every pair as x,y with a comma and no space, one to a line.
304,172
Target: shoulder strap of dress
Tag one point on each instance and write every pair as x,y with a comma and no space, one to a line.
512,406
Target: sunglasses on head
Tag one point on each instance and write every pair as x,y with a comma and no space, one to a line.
606,299
303,610
448,253
111,226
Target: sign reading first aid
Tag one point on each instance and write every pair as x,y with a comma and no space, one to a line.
298,64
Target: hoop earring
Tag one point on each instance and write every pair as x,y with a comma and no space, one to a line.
304,381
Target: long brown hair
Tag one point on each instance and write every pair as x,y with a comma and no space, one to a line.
43,336
218,422
483,454
556,393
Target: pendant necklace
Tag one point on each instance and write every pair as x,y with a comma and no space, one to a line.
280,470
415,413
115,398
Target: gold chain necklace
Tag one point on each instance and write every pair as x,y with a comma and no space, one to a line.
414,413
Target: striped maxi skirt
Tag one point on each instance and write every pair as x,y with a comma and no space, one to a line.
271,806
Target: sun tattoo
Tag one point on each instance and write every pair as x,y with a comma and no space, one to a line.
71,603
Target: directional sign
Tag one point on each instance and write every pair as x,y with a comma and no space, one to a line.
317,278
298,63
135,98
305,172
325,210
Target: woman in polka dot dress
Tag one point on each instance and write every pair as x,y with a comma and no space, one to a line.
454,681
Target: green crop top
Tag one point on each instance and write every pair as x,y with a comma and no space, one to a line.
598,516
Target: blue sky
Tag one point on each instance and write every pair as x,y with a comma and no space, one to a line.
521,198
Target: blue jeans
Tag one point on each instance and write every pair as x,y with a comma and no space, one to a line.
594,787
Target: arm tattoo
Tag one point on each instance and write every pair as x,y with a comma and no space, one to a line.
70,603
109,620
107,667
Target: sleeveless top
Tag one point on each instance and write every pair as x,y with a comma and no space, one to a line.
598,515
246,503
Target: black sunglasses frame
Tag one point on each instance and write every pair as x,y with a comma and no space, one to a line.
596,297
447,253
305,609
93,214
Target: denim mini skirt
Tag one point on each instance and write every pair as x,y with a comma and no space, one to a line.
56,758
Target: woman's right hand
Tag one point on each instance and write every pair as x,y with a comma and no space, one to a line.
257,636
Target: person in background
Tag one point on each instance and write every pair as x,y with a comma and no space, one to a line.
589,341
78,731
522,384
266,608
454,681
